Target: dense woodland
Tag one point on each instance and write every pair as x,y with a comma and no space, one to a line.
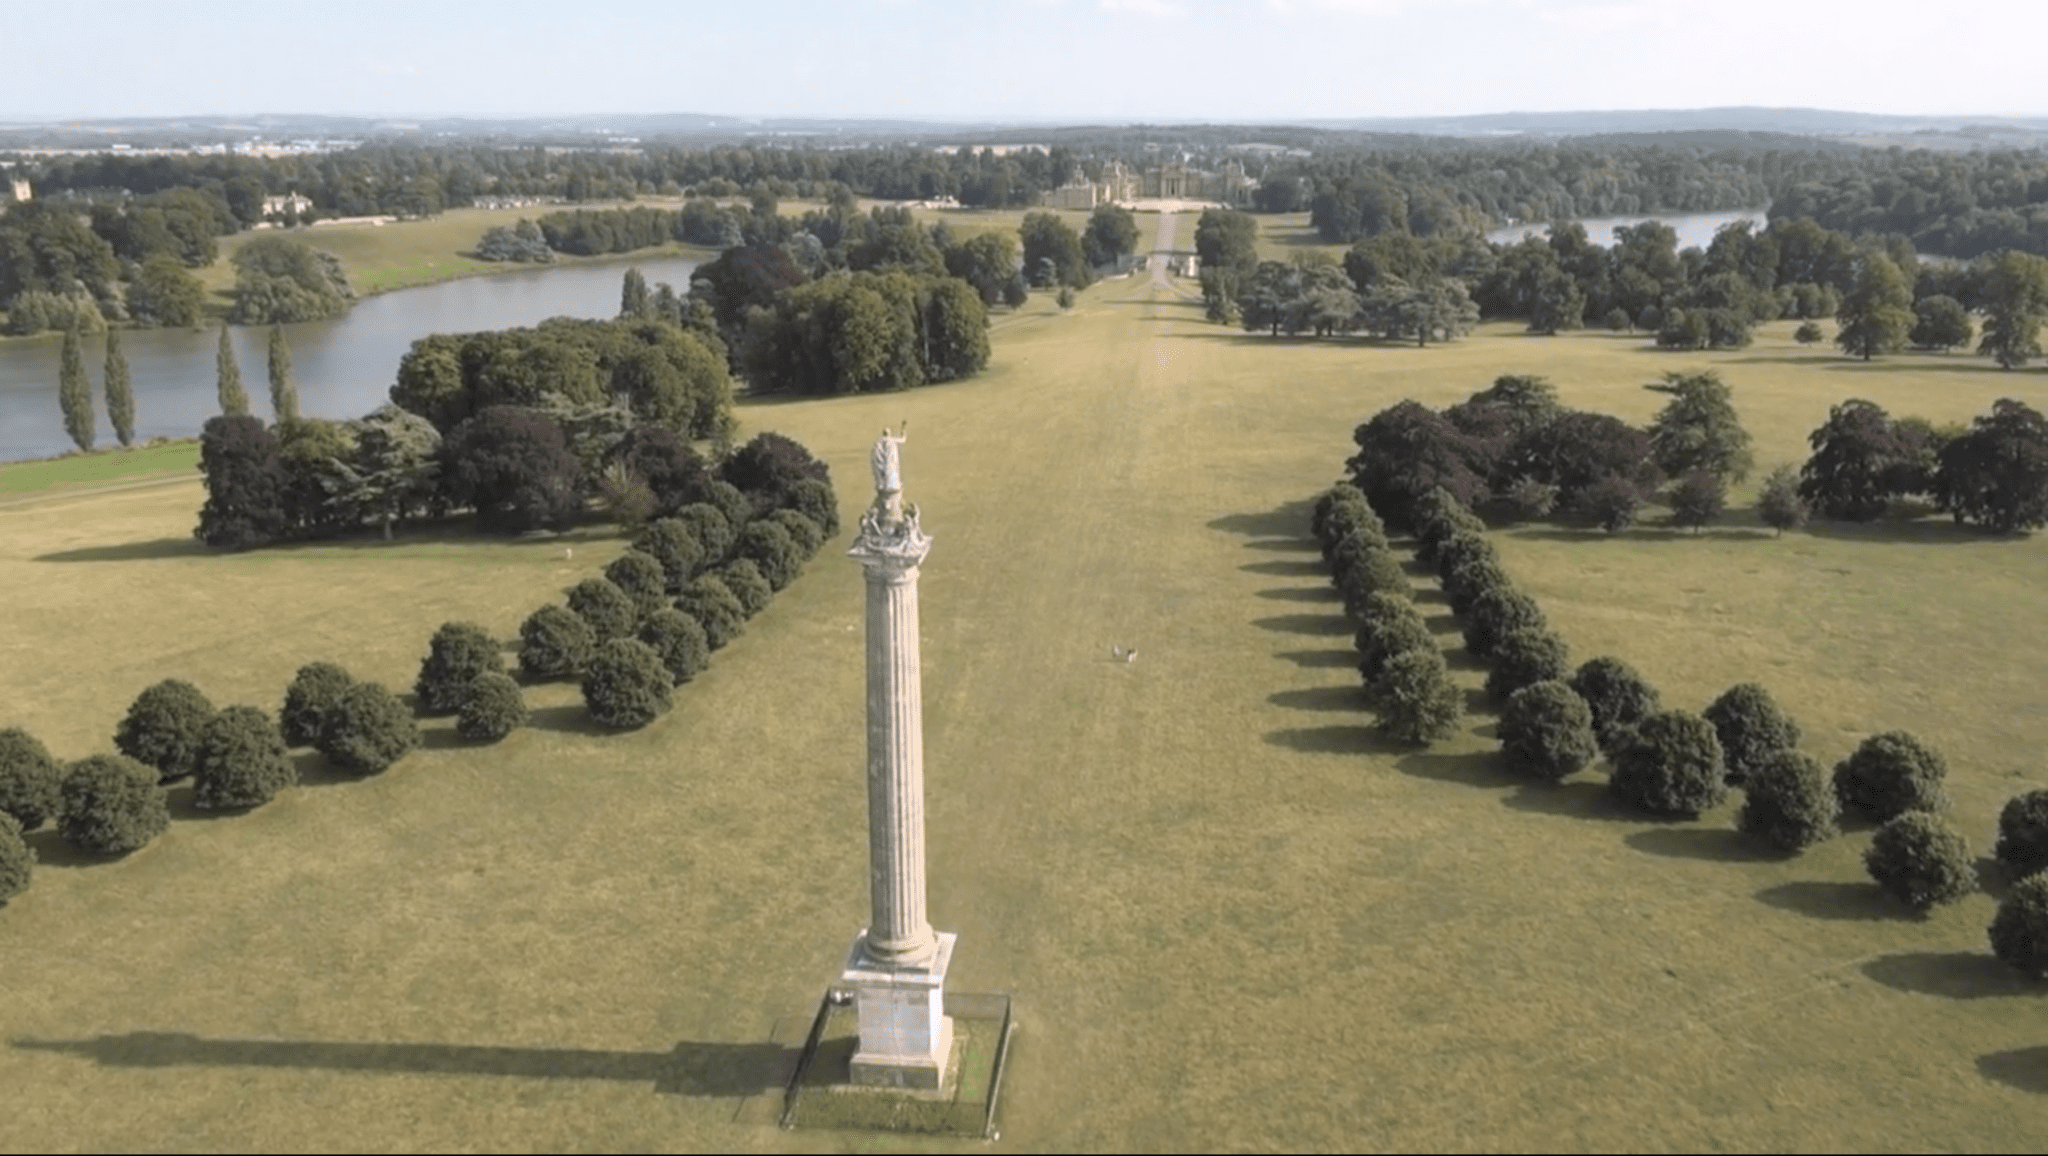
112,238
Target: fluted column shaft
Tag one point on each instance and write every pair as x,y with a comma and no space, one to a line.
900,931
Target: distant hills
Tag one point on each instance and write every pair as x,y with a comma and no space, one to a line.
1703,126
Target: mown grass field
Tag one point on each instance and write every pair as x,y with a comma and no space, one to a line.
1230,917
170,460
402,254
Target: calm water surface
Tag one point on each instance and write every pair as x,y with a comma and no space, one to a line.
344,368
1692,228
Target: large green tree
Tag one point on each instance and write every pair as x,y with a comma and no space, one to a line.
1111,235
1699,429
120,392
2015,299
1877,313
165,293
74,393
1048,238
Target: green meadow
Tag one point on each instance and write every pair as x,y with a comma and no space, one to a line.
1230,917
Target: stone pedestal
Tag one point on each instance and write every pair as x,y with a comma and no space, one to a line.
906,1038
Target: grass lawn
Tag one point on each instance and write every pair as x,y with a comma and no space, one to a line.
1230,917
151,463
402,254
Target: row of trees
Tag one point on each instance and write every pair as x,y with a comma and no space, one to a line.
684,590
1513,450
1668,763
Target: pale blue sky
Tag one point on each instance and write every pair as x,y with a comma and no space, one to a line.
1017,60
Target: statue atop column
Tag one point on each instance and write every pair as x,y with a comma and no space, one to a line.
886,460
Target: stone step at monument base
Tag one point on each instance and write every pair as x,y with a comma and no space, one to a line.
823,1094
905,1036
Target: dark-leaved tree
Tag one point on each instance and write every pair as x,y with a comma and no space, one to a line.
1670,765
29,779
2022,832
1787,801
1752,728
457,654
512,465
163,726
1997,474
111,805
1920,860
1889,774
626,686
242,761
245,484
314,690
555,642
2019,932
367,730
491,708
1415,699
1619,698
1546,731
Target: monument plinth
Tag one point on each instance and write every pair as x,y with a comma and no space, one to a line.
897,968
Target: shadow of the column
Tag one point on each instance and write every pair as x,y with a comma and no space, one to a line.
690,1069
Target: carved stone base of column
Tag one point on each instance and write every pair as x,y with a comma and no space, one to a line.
906,1038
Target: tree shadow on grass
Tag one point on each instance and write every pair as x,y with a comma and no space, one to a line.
1471,768
181,801
1288,568
1713,844
1324,624
1950,975
154,549
1290,545
443,739
1322,698
1349,739
690,1069
1919,531
1321,659
53,850
570,718
1586,799
1478,702
1287,520
1640,533
1322,594
2022,1068
1852,902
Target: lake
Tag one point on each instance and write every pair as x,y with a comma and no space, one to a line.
344,368
1692,228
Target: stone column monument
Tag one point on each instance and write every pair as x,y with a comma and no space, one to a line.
897,968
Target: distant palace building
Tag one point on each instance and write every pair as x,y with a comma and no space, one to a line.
18,190
1173,180
293,203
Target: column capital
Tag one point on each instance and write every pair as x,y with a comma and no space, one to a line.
891,549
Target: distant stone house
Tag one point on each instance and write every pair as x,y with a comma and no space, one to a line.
291,204
18,189
1173,181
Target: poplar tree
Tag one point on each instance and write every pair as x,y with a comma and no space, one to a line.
284,396
74,393
120,395
234,400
